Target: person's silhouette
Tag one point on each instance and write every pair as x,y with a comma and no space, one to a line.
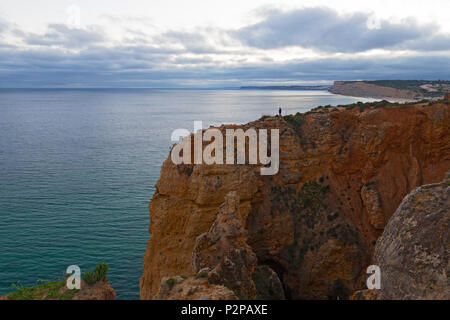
279,112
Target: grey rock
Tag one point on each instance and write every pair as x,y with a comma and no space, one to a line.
413,249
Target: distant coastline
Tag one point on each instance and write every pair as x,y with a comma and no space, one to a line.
402,90
391,90
319,88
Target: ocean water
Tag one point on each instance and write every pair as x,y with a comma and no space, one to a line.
78,167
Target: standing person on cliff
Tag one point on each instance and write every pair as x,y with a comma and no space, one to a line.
279,112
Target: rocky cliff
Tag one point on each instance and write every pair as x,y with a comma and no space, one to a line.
306,233
413,249
364,89
412,252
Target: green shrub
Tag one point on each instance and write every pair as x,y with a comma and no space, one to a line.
99,273
170,282
101,270
89,277
202,274
296,121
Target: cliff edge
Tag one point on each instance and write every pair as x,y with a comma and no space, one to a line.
308,232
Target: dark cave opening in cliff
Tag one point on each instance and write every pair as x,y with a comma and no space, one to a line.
280,271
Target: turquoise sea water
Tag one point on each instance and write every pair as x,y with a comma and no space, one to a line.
78,167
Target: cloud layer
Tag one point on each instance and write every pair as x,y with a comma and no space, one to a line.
325,30
63,36
308,44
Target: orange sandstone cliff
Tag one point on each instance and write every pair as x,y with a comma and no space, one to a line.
308,232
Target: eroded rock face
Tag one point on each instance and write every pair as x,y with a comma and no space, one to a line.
192,288
413,249
313,223
371,200
224,251
100,290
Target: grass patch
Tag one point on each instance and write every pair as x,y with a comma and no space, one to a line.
56,290
50,290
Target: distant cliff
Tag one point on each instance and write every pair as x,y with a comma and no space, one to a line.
394,89
370,90
309,232
318,87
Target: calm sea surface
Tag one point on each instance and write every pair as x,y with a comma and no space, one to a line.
78,167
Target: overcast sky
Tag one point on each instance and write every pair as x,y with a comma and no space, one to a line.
220,43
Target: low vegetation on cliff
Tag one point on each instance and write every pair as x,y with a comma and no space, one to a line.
95,286
50,290
99,274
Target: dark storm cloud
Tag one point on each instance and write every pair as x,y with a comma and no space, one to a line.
325,30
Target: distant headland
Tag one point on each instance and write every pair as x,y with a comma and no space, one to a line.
321,87
383,89
399,89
